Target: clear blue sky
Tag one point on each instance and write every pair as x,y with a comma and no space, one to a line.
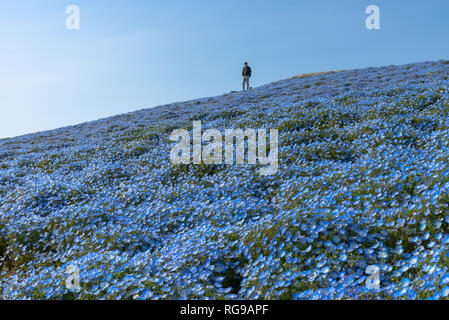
132,54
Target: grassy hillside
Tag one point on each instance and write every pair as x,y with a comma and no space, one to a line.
363,180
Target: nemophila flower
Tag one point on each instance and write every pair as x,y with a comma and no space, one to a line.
444,292
405,282
444,280
343,257
429,269
400,293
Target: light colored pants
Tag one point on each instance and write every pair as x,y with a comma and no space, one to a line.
246,81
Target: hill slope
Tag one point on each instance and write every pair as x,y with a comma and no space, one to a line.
363,180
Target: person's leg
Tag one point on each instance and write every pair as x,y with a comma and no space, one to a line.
243,84
245,79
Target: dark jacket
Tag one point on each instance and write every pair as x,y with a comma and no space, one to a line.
246,72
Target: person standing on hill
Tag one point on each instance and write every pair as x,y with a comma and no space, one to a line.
246,73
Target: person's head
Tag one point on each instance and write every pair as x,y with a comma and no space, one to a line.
246,64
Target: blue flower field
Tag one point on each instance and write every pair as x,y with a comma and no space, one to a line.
363,181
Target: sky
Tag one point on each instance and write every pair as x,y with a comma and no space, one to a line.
135,54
